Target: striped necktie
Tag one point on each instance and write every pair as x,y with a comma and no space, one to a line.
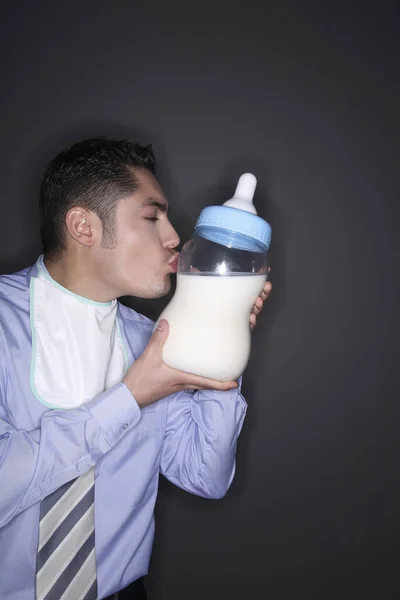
66,560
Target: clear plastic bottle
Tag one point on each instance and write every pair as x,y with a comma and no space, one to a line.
221,271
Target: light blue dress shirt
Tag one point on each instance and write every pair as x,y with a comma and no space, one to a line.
189,438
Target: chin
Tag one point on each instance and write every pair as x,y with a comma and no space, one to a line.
162,290
154,291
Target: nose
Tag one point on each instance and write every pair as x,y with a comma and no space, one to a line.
171,239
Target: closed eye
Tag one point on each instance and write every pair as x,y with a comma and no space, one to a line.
152,219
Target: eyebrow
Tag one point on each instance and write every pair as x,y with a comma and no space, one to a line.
162,206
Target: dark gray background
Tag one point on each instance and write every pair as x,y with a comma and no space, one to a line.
306,96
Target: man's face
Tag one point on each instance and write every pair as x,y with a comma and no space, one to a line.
139,263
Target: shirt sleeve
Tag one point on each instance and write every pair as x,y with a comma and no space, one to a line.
200,440
68,442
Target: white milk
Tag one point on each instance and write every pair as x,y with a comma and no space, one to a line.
209,324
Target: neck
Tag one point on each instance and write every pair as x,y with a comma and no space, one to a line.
77,275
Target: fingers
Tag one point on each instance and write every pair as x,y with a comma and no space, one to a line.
201,383
267,290
258,306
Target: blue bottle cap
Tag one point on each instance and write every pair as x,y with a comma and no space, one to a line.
236,221
236,218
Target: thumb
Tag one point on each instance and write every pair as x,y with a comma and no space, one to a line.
160,334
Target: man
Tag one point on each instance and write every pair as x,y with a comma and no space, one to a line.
89,413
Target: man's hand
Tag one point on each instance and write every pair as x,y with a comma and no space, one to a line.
259,303
149,379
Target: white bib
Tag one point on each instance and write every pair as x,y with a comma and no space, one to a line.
77,347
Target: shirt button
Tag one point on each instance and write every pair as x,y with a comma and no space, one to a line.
125,426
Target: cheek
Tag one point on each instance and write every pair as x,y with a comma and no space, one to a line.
141,249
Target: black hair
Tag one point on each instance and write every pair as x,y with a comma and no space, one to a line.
94,174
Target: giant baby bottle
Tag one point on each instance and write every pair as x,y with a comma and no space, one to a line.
221,271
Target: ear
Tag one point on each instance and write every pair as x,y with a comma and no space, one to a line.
83,225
